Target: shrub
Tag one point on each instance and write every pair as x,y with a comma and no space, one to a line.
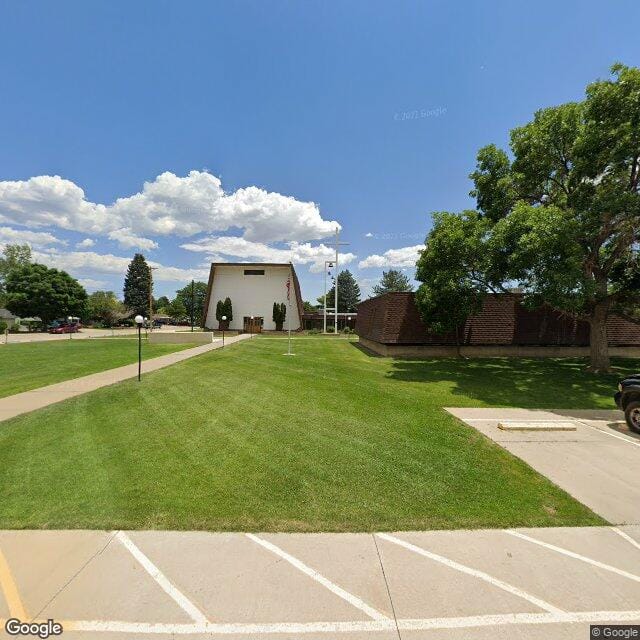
3,326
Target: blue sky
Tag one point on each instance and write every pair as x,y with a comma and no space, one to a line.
257,124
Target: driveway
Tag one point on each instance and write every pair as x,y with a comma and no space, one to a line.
597,463
458,585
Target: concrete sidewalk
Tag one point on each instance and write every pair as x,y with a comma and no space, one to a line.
457,585
20,403
597,463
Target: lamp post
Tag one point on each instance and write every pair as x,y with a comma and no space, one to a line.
139,320
224,321
69,320
251,327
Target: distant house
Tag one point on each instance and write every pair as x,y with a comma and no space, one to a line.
253,288
8,317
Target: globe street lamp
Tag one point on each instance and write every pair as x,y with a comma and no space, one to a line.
251,327
69,320
139,320
224,321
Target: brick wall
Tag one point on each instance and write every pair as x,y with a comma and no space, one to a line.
393,318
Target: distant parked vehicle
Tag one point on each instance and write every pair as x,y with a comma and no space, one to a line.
628,400
64,327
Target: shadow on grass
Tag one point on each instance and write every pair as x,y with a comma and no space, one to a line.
519,382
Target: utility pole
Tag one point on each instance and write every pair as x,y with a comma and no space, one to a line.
193,302
151,270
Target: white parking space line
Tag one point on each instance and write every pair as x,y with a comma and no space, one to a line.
173,592
627,537
372,626
334,588
577,556
475,573
611,435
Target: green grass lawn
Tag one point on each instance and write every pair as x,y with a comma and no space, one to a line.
331,439
35,364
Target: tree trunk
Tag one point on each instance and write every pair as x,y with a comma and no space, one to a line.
458,351
599,344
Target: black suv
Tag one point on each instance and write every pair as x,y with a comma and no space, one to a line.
628,399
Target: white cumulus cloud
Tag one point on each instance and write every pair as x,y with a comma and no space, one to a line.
403,257
168,205
128,240
35,239
85,244
85,264
298,253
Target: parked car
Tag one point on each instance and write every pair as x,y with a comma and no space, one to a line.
64,327
628,400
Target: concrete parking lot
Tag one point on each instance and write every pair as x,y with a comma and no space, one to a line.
83,334
597,463
525,583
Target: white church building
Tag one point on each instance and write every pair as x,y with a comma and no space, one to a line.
252,289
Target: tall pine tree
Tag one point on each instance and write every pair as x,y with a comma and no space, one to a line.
137,286
392,280
348,293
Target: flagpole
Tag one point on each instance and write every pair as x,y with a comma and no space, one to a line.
290,283
289,313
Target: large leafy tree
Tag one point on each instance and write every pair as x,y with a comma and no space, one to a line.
13,255
348,293
193,298
36,290
392,281
560,216
138,286
176,309
105,307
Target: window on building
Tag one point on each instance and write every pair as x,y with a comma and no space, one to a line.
254,272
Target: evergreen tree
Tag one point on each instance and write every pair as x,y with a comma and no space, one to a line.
279,314
348,293
391,281
137,286
227,309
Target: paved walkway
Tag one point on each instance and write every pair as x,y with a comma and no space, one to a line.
458,585
597,463
20,403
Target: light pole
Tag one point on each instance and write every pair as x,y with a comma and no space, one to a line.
139,320
224,321
251,327
69,320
